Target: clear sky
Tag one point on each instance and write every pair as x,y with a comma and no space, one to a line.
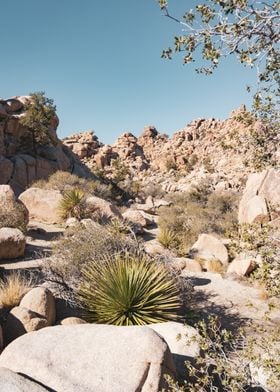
100,62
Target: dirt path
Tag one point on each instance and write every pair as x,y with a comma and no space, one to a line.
236,302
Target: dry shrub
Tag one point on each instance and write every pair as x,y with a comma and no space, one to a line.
14,215
64,181
13,288
78,247
194,213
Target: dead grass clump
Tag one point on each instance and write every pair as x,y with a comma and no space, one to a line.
13,288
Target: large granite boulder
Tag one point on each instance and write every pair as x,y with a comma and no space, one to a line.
42,204
41,301
21,320
260,197
12,243
89,357
208,247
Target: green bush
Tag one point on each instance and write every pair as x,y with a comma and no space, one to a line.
125,289
72,204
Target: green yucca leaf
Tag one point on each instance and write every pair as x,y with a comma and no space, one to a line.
71,204
128,290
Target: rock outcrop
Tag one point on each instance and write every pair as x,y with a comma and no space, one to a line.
23,162
261,198
221,150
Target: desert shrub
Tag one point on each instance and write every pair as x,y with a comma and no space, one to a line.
120,170
72,204
13,215
260,240
192,214
65,181
126,289
170,164
224,365
13,288
79,246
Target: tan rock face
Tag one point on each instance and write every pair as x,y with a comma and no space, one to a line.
135,217
242,265
208,247
40,301
20,162
43,205
12,243
85,358
261,197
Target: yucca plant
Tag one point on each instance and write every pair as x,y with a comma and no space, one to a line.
125,289
167,238
72,204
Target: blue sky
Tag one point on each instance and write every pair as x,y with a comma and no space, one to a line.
100,62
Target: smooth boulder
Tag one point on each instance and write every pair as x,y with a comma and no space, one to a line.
208,247
183,341
42,204
20,321
12,243
90,357
100,208
40,301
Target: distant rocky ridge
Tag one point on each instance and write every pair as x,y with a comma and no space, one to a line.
219,149
18,166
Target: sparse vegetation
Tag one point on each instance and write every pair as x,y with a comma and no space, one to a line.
65,181
13,288
126,289
79,246
226,362
197,212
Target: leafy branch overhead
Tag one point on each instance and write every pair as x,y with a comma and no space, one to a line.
248,29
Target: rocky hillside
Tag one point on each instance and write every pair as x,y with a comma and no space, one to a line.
21,160
224,150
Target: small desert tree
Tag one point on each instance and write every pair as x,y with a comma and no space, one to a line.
40,110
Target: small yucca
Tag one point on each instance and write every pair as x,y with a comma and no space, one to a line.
71,204
127,289
167,238
13,288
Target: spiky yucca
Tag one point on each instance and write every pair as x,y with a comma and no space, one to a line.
167,238
71,204
128,290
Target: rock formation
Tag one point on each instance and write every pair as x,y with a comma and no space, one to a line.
223,150
20,163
